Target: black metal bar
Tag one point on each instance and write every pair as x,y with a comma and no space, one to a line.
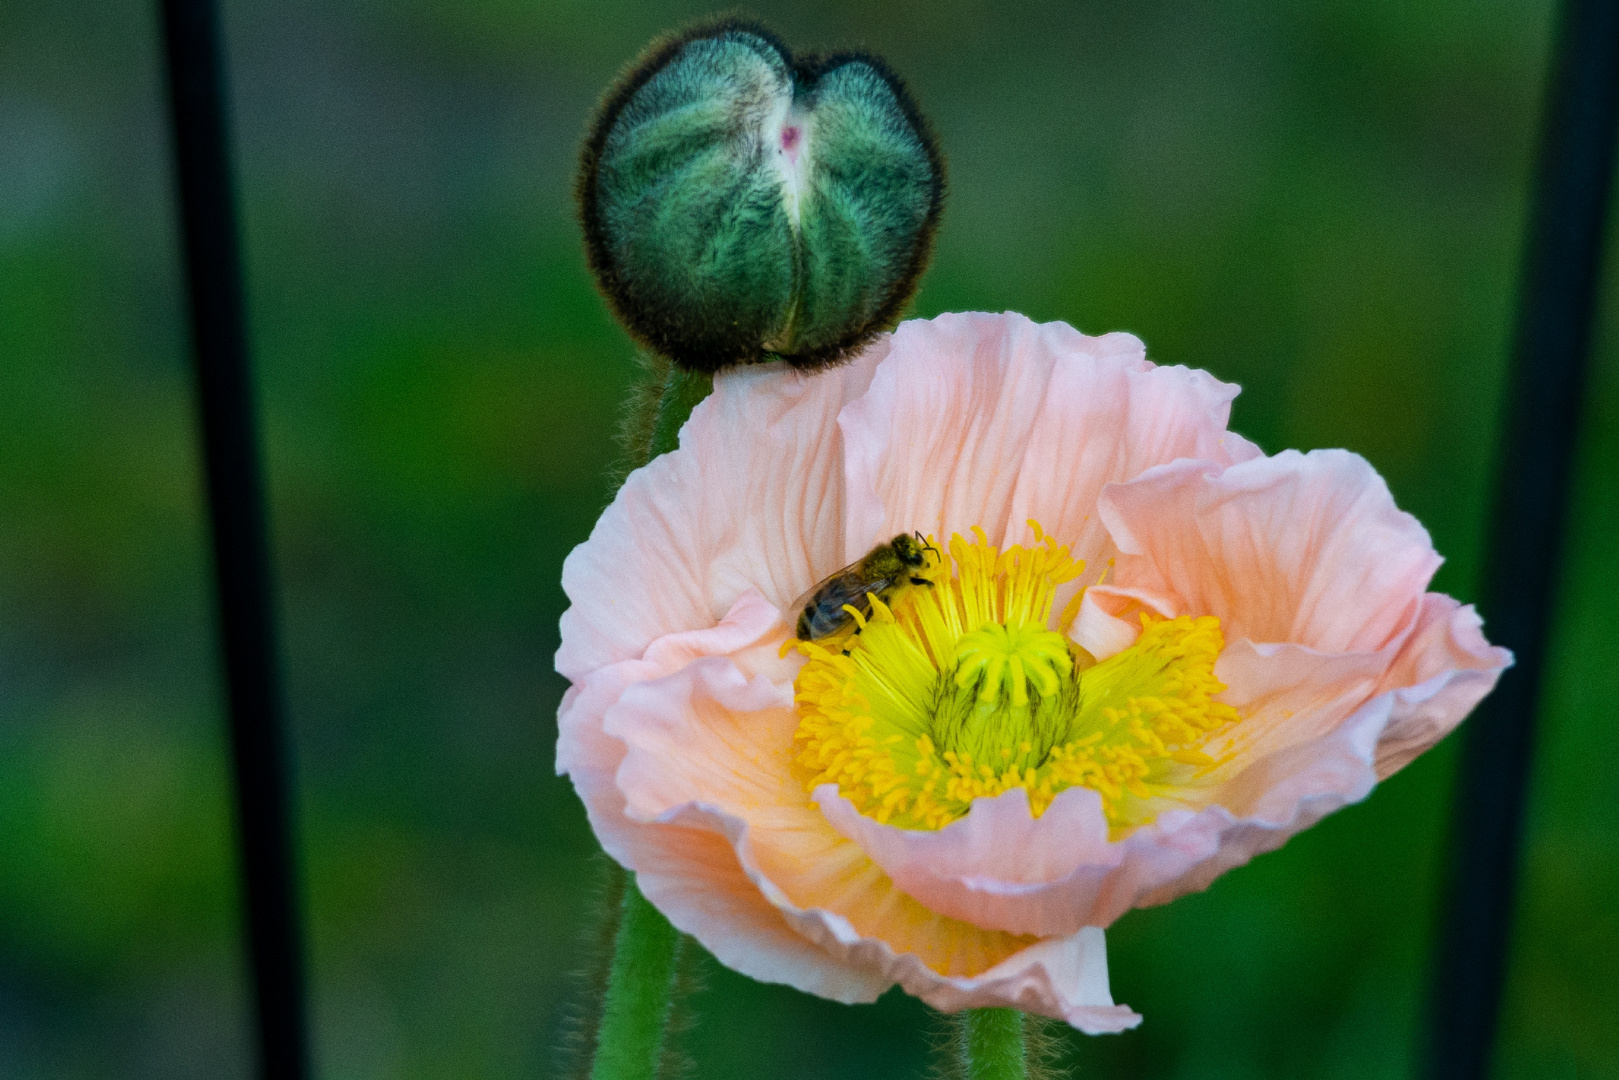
241,551
1549,360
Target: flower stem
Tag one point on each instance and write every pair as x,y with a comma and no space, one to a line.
991,1045
584,1021
640,992
682,390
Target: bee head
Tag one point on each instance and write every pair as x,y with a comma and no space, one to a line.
912,550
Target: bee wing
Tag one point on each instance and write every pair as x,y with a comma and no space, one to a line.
829,595
837,591
809,594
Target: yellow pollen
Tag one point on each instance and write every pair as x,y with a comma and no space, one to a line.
969,688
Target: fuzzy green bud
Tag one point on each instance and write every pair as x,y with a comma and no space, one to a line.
739,204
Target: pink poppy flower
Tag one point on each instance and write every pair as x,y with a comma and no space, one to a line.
1143,654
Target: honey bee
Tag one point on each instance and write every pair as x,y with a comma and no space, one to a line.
884,571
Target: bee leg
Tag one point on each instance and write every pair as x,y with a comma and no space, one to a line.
921,581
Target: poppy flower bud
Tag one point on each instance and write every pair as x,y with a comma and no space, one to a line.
739,204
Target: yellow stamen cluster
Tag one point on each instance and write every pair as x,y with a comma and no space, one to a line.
965,690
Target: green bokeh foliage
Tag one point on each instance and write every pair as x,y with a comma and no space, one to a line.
1320,201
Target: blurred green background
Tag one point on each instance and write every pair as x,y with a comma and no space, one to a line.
1321,201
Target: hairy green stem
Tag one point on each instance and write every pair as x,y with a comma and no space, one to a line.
682,390
991,1044
584,1019
640,993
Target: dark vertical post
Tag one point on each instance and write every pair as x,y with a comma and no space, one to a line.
1548,367
241,553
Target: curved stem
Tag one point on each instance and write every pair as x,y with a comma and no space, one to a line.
991,1045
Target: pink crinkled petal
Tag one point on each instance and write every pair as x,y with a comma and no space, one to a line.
1293,788
748,635
1181,851
990,420
999,840
1288,694
1109,618
1445,670
999,866
1064,978
705,733
694,871
689,869
691,531
1303,548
